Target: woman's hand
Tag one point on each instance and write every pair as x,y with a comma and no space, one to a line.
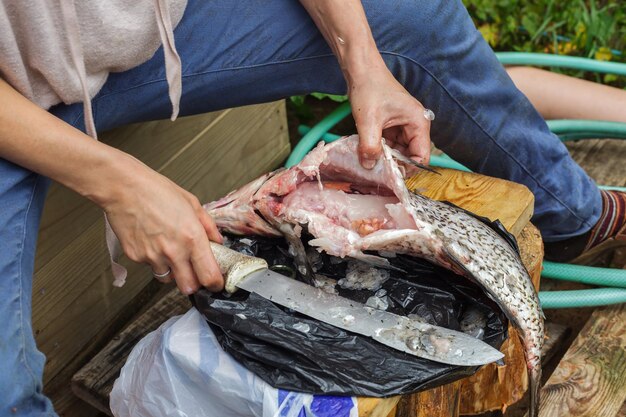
383,108
159,223
380,105
156,221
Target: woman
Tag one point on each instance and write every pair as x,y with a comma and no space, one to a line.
55,55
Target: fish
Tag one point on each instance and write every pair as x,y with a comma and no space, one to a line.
351,212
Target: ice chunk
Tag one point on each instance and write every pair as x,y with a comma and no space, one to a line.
361,276
380,303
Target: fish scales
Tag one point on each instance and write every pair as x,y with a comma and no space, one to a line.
331,195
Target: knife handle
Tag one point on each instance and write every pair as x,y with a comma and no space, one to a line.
235,266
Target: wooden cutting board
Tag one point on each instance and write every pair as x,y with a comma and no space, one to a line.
490,197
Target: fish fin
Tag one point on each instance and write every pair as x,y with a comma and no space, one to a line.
300,258
534,387
377,261
402,158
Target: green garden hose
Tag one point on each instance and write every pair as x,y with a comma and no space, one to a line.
607,277
561,61
568,130
310,139
582,298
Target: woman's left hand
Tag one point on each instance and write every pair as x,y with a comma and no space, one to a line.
380,105
383,108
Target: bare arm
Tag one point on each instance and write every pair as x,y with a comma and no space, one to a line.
380,105
558,96
156,221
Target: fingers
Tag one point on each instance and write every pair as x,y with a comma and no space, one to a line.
370,144
209,226
192,267
419,142
206,268
186,279
161,272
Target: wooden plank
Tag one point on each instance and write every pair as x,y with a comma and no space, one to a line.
94,382
590,379
73,299
555,335
153,143
602,159
376,407
443,401
490,197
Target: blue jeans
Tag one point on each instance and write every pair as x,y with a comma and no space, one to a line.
244,52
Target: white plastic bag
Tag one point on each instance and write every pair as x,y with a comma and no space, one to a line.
180,370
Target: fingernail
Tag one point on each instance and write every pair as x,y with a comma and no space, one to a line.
368,163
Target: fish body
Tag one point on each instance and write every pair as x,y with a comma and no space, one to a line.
349,210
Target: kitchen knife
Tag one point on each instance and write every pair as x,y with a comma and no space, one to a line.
408,335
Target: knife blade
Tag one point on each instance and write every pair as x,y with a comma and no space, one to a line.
399,332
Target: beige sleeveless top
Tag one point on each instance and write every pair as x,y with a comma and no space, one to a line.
42,40
62,51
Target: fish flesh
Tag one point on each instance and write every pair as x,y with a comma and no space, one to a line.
351,211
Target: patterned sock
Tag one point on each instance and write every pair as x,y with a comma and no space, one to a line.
612,221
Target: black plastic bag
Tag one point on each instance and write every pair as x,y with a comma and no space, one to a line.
315,357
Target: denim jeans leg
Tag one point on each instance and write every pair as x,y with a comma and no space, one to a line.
22,195
482,120
237,53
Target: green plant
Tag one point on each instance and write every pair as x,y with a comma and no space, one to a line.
302,108
589,28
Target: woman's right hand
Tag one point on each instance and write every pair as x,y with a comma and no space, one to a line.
156,221
159,223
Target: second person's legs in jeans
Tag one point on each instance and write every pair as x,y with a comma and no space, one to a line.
237,53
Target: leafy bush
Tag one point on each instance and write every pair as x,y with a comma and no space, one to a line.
589,28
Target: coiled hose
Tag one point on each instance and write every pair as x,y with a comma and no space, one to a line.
567,130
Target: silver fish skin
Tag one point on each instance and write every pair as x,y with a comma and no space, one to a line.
350,210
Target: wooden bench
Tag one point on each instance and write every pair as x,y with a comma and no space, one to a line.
493,387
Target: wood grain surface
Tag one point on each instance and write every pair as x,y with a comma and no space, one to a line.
496,199
590,380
